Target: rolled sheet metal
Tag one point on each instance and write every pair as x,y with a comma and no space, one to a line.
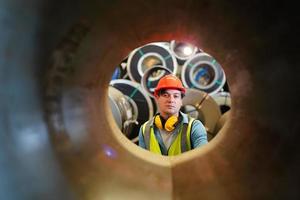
203,72
208,109
119,72
182,50
223,99
139,100
117,113
145,57
125,114
148,82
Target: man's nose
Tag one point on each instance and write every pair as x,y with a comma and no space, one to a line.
171,98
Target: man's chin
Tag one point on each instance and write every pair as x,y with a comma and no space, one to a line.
171,112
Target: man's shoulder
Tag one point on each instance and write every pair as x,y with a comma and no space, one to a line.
149,121
197,121
186,119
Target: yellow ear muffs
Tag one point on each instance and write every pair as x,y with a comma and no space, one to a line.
158,122
169,125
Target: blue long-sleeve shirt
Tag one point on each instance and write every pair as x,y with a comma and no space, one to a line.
198,134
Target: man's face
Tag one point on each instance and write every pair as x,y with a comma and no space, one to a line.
169,102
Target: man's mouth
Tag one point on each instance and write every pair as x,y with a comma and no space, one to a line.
170,106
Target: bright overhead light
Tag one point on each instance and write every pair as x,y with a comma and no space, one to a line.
187,50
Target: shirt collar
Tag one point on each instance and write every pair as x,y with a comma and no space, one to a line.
185,118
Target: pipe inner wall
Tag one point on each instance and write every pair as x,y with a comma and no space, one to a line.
58,135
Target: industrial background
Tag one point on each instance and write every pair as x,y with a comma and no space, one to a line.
134,80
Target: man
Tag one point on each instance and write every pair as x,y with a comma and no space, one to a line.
171,132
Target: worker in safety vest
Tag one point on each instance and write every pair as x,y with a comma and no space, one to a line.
171,132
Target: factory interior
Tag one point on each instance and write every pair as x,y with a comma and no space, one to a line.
131,90
77,81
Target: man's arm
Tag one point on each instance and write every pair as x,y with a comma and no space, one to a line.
198,135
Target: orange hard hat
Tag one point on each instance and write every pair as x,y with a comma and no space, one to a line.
169,81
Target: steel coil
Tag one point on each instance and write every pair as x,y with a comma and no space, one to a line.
182,51
140,101
145,57
208,110
204,73
148,82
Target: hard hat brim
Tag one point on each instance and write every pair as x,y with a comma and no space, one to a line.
156,91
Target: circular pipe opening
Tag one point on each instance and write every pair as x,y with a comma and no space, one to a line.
202,70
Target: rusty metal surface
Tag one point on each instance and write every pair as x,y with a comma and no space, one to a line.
58,139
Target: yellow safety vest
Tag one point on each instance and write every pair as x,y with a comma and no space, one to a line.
178,146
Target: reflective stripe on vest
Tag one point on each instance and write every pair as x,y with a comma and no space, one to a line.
178,146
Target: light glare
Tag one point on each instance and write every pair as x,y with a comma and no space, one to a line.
187,50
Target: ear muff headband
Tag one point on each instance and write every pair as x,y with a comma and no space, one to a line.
158,122
169,125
